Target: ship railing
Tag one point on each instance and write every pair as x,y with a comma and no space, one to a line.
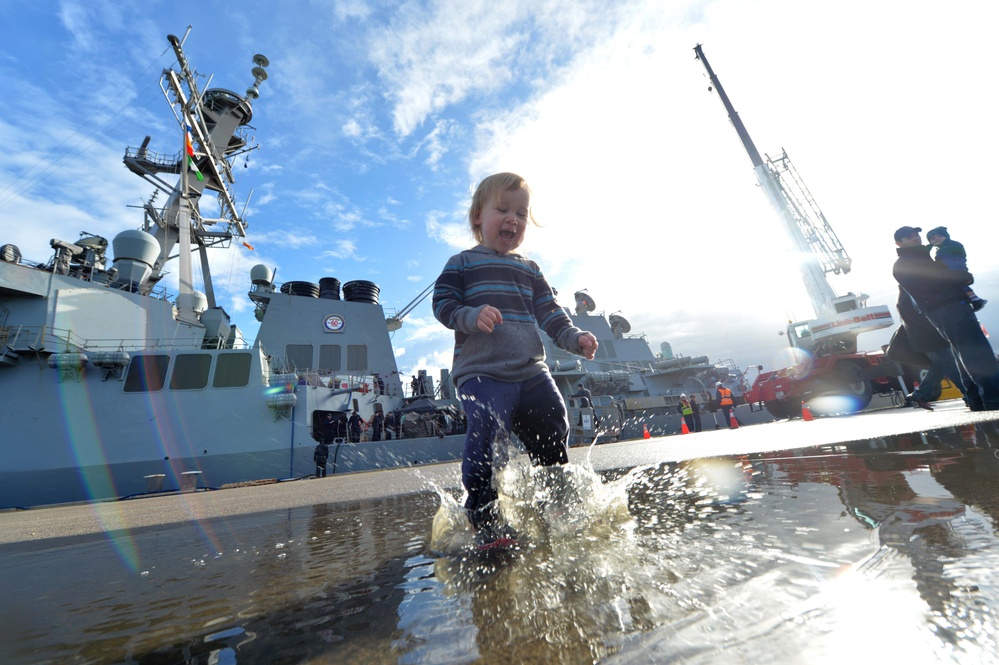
23,339
160,163
60,340
336,379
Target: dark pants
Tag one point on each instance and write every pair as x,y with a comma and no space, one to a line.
693,420
321,470
727,414
533,410
959,326
943,365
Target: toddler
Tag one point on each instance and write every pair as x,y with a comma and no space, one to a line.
951,253
495,300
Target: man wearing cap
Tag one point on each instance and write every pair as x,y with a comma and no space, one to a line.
584,394
939,294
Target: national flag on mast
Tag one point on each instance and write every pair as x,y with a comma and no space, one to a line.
190,154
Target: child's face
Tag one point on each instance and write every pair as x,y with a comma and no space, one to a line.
503,220
935,239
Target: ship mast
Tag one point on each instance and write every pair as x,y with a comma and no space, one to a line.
210,125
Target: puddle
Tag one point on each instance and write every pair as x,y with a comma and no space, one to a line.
875,550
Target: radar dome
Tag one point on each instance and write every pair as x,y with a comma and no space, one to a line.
261,275
135,245
196,301
135,254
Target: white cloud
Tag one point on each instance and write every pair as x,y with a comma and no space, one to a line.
351,9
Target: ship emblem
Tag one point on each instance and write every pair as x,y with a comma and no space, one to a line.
333,323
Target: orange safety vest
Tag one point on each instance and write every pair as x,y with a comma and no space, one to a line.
726,397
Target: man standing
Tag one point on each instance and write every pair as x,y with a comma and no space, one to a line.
321,455
725,401
695,409
939,294
583,393
354,424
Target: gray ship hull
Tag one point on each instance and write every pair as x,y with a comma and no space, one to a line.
83,437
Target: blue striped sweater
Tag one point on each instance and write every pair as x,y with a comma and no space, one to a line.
515,286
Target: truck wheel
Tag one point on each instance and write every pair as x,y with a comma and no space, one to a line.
854,385
779,410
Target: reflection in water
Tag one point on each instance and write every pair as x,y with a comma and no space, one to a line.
881,550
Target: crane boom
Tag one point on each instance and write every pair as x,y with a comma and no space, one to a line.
819,248
838,319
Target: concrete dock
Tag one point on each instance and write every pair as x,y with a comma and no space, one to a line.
147,512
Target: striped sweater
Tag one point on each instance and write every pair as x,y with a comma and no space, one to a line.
515,286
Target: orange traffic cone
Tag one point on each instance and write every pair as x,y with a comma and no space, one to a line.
968,434
806,414
732,422
645,432
683,426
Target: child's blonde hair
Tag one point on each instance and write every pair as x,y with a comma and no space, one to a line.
492,186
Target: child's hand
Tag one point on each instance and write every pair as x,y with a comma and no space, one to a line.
489,318
588,345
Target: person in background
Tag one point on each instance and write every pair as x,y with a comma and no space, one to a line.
939,294
321,454
725,402
377,425
496,300
951,253
695,412
583,394
354,424
686,411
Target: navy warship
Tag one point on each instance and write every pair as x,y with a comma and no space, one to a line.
113,387
634,390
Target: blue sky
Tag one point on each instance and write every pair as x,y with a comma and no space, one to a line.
377,120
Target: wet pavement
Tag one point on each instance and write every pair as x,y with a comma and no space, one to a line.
870,537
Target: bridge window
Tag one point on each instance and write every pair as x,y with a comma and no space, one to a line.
190,371
146,374
330,357
298,356
357,358
232,370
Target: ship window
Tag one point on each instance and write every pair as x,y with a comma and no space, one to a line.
298,356
357,358
329,357
190,371
232,370
146,374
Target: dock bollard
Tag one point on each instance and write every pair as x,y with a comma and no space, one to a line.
154,482
189,481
